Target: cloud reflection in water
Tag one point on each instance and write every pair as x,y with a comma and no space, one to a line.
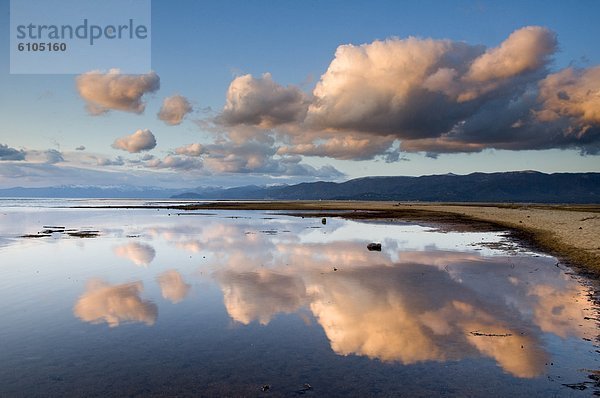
402,304
114,304
139,253
173,286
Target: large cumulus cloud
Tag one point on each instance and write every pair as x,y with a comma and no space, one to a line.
427,95
115,91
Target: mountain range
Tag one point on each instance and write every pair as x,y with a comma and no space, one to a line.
522,186
518,186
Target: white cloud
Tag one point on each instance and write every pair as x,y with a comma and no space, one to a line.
258,157
115,91
141,140
174,109
191,150
102,161
175,163
49,156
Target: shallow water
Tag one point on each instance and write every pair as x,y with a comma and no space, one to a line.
222,303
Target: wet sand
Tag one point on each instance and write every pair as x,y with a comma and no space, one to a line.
570,232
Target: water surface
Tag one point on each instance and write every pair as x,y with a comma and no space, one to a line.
213,303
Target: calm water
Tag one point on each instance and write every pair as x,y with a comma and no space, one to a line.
222,303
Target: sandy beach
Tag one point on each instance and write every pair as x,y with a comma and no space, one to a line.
570,232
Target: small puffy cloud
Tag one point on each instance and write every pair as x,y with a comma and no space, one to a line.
118,161
49,156
90,159
115,91
191,150
229,157
262,102
243,155
8,153
80,148
174,109
174,162
114,304
259,157
141,140
139,253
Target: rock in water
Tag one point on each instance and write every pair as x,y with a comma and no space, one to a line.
374,247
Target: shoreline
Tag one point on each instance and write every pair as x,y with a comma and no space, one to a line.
569,232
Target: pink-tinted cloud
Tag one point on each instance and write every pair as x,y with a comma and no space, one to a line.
174,109
262,102
424,95
114,304
141,140
191,150
115,91
175,163
571,98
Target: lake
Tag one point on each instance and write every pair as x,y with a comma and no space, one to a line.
158,302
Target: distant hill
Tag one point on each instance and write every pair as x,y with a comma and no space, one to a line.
69,191
522,186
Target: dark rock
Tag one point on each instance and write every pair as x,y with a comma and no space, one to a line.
374,247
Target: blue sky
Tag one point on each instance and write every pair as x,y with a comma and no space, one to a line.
304,121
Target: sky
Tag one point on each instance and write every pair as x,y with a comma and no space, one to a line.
272,92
